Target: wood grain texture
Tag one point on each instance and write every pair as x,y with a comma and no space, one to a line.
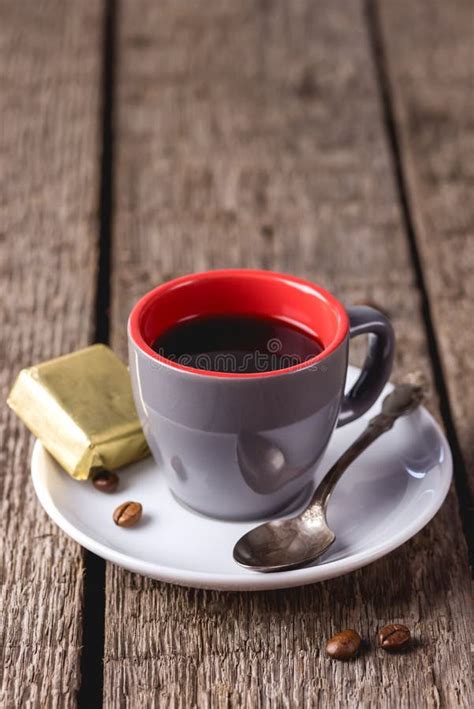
250,134
49,157
430,52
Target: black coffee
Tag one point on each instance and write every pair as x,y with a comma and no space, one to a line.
236,343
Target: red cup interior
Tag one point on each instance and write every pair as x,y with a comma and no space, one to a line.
239,292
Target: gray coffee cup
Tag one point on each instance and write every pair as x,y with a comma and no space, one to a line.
245,446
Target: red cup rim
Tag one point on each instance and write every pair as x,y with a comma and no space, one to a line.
140,308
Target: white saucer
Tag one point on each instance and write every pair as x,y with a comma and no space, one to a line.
386,496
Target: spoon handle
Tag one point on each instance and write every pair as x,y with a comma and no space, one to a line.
376,427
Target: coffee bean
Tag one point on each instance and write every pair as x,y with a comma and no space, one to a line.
127,514
105,481
394,636
344,645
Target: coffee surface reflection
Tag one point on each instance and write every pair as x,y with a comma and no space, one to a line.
237,344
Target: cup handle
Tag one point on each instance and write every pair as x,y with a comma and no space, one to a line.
378,363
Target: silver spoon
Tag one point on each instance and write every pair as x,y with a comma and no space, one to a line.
296,541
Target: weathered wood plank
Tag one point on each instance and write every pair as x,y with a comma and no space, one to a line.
49,155
430,52
250,135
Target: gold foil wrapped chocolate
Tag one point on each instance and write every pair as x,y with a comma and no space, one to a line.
81,408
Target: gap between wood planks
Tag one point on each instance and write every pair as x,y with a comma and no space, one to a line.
93,630
91,689
375,41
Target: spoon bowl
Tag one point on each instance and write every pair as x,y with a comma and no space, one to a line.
283,544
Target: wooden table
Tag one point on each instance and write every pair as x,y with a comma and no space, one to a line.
143,139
